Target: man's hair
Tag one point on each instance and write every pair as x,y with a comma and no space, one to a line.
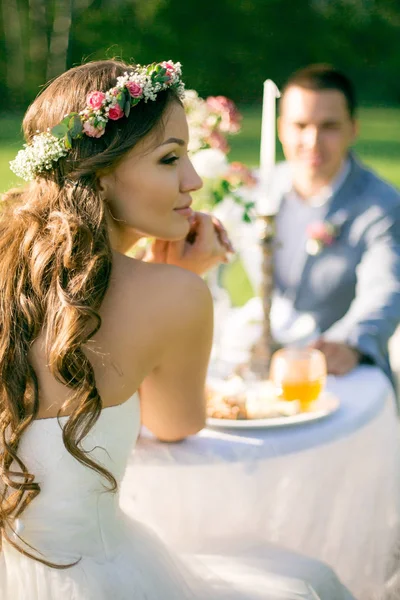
323,77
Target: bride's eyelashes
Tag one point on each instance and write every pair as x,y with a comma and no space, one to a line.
170,159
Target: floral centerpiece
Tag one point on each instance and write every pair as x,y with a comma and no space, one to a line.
227,191
210,122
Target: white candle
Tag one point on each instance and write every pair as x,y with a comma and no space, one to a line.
265,205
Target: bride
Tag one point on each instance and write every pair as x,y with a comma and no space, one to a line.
86,329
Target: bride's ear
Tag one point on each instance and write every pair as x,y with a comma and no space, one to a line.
103,185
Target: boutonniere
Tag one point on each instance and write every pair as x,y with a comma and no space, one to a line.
319,235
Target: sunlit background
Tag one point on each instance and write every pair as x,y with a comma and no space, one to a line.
226,47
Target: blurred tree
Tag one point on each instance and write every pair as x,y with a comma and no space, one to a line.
15,62
36,41
59,38
226,46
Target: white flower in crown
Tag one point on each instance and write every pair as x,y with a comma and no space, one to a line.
142,84
40,154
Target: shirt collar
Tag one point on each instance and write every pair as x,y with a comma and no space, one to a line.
325,194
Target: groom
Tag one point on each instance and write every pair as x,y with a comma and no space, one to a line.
338,224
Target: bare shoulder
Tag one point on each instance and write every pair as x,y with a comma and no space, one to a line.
154,290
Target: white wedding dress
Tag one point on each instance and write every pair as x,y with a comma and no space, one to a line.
75,519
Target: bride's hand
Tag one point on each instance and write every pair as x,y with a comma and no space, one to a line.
206,245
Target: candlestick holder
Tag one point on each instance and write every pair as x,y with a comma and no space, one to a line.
263,349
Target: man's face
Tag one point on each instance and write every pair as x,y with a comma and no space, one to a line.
316,131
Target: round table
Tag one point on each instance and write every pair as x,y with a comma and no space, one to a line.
329,489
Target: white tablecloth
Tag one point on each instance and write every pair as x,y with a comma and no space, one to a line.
328,489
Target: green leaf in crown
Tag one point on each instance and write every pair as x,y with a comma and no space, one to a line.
75,126
68,140
127,108
159,75
121,100
59,131
151,69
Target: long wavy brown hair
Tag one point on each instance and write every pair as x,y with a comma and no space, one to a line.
55,265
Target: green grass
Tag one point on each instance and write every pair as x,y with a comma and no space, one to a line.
10,143
235,280
378,144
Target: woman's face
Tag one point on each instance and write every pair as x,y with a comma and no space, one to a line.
148,193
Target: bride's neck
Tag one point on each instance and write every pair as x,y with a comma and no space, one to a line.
122,239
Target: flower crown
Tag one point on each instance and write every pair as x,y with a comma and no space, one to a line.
142,84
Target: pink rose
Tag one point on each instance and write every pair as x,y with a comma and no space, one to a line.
218,103
227,111
115,112
216,140
135,89
238,174
321,231
92,131
95,100
167,64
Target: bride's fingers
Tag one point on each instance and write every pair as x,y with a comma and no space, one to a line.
199,229
222,234
207,233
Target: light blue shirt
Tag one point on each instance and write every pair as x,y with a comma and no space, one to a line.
294,217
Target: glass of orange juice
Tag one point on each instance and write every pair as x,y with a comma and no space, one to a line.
298,374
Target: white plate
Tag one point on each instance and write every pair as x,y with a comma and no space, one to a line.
326,404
